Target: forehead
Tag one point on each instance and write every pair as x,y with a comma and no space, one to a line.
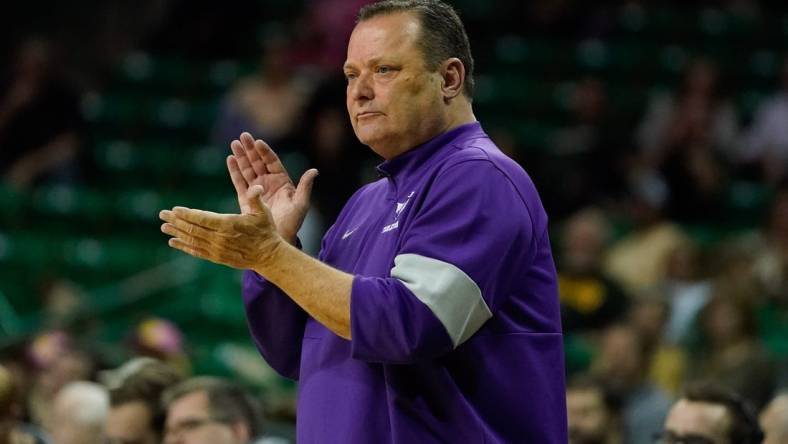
131,408
384,35
187,405
127,416
700,418
777,410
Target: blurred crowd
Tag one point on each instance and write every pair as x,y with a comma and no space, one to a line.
56,394
650,307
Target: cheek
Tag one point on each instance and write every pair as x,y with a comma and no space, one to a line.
414,88
423,98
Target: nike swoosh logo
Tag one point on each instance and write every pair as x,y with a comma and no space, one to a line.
348,233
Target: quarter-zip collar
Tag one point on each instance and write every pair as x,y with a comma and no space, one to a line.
410,161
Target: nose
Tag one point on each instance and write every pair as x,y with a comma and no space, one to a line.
360,89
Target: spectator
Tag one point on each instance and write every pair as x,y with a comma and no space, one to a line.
587,146
590,300
623,362
15,360
210,411
331,147
770,248
767,274
59,362
593,413
135,389
61,299
697,109
41,129
686,289
774,420
707,413
688,137
732,356
78,414
668,361
161,339
268,103
323,32
13,431
639,260
765,147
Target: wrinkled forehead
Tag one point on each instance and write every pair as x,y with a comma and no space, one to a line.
390,34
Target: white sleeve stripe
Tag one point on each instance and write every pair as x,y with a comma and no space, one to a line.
450,294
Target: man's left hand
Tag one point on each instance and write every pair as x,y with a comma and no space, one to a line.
244,241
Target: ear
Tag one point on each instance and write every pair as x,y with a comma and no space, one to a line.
453,78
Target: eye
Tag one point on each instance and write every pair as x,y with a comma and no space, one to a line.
350,76
383,69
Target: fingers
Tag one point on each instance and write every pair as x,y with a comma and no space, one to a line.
244,165
205,219
211,244
207,243
257,162
188,232
253,195
268,156
304,188
239,182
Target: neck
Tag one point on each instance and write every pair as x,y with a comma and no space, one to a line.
460,114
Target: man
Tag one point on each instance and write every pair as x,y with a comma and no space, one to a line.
774,420
593,413
135,388
12,430
707,414
623,362
590,300
206,410
78,414
432,313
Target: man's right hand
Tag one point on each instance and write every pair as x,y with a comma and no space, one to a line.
253,162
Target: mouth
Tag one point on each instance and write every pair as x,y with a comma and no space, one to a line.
367,115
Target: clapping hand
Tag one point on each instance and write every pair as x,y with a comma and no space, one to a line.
272,209
252,163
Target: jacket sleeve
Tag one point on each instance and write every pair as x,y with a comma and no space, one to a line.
460,258
275,322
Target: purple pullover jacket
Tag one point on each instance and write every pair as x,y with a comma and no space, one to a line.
455,320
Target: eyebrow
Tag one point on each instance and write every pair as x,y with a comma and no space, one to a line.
372,61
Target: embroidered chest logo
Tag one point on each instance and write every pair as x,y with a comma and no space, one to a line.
348,233
397,211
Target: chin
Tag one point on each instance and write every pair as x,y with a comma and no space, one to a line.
373,139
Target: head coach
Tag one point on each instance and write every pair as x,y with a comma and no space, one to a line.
431,314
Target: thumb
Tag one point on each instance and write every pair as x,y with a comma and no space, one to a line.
253,196
304,188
